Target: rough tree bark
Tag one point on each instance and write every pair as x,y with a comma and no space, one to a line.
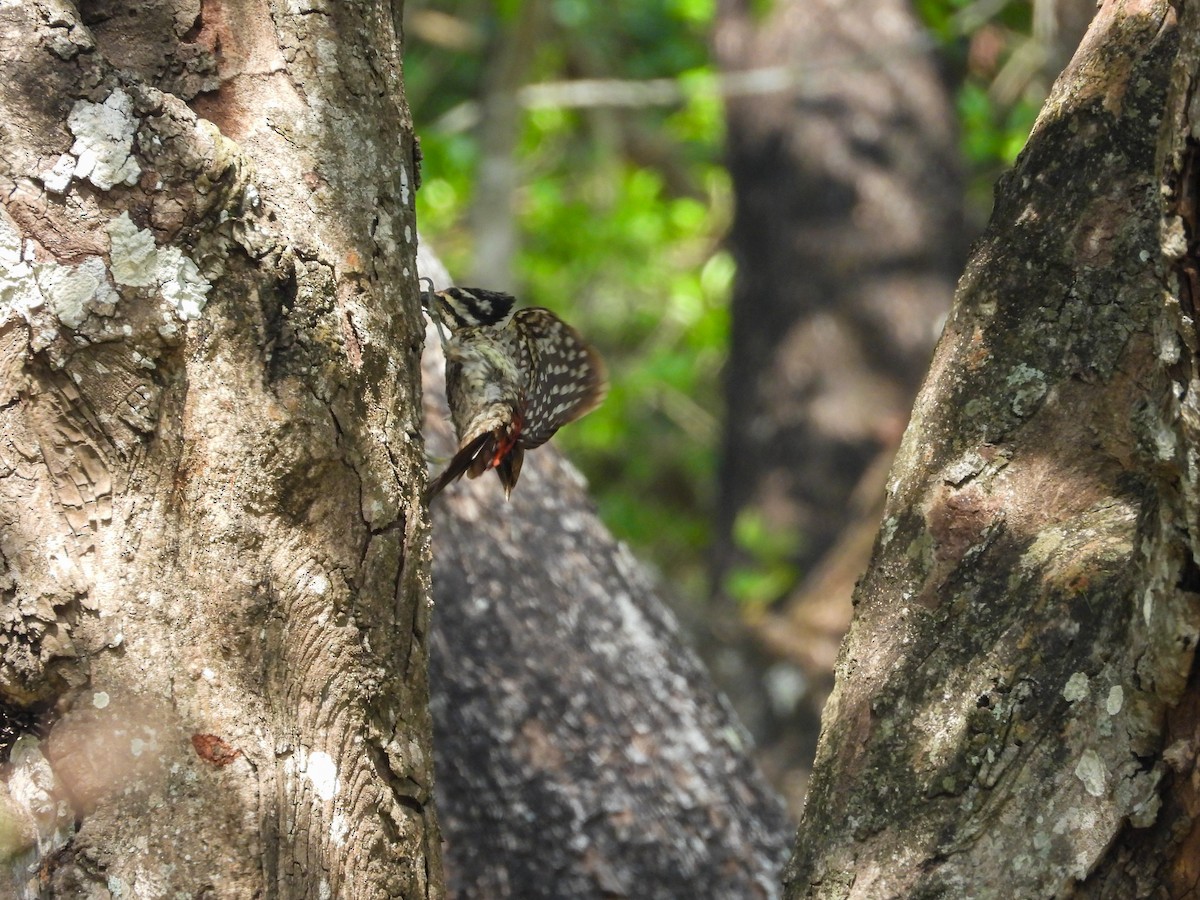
581,750
1017,700
213,560
848,237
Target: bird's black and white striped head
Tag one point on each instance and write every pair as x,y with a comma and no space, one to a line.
458,308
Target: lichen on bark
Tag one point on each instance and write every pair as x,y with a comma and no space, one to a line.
1025,634
213,559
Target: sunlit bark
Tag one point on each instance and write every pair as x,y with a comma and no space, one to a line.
1016,709
214,572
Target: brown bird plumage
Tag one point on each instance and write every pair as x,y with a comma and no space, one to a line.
513,378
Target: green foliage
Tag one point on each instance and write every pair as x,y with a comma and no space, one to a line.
992,137
647,283
988,47
769,574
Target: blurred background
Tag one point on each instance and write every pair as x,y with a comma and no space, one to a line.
757,211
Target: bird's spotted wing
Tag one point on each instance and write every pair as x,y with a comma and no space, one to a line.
565,376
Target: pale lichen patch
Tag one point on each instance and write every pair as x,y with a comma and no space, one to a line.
888,530
132,253
1092,772
1027,388
182,285
405,195
47,294
966,467
1115,700
104,140
70,291
137,262
19,293
1076,688
57,179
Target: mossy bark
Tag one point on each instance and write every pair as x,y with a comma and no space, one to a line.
1015,712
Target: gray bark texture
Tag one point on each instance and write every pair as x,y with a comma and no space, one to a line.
1017,711
581,750
214,568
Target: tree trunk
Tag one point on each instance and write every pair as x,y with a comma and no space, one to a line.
848,237
495,235
581,749
214,568
1017,701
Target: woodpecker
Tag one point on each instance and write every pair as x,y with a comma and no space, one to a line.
513,378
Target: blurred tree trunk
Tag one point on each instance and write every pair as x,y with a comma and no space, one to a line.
213,559
1018,702
581,749
495,236
847,235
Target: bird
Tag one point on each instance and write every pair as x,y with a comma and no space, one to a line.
513,378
